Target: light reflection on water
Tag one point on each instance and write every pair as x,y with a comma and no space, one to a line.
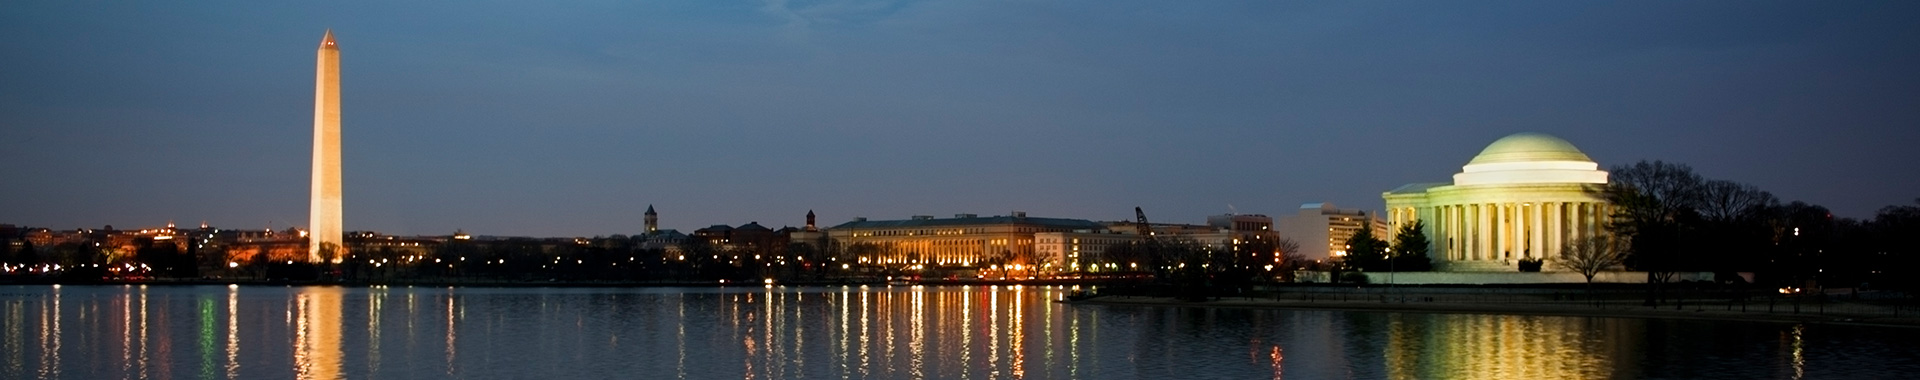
989,332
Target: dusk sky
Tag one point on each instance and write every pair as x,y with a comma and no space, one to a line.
569,119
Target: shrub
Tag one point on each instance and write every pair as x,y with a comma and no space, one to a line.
1530,265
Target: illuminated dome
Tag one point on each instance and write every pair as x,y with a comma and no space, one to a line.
1529,147
1530,157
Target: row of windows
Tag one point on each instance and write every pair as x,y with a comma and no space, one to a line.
951,231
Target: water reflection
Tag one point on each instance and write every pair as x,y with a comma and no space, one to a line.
451,336
1469,345
50,336
376,300
233,332
1799,354
318,355
859,332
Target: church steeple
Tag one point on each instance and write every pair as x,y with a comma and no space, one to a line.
810,226
653,220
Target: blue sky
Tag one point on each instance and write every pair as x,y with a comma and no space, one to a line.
528,118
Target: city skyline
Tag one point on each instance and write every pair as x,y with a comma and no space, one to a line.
572,123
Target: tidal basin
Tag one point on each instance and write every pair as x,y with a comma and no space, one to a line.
878,332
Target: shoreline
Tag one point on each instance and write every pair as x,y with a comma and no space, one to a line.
1557,309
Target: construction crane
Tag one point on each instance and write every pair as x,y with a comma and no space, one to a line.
1146,249
1140,224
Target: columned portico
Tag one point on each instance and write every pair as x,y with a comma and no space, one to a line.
1523,197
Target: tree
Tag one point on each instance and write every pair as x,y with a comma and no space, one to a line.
1288,258
1125,257
1366,252
805,255
1892,238
1651,202
1410,246
1589,255
28,254
1729,202
1193,266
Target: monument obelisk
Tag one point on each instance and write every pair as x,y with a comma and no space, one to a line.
324,231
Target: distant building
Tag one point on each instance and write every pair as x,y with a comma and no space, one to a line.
715,235
1082,250
243,247
963,240
1522,197
1087,249
1322,230
810,234
1249,223
368,244
666,241
1240,228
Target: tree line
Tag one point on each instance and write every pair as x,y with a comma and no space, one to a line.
1676,220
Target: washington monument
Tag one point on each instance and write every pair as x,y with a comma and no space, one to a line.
324,232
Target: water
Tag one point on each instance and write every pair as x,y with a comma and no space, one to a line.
264,332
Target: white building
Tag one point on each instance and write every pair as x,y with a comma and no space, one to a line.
1522,197
1322,230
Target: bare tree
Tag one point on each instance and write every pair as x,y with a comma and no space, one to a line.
1726,201
1288,258
1589,255
1669,186
1650,200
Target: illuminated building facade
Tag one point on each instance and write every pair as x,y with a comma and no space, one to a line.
1522,197
1081,250
1322,229
963,240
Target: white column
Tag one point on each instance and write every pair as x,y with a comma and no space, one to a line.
1512,237
1502,231
1531,236
1546,229
1579,229
1520,225
1523,241
1537,234
1482,231
1465,231
1559,228
1591,217
1502,219
1493,231
1556,231
1452,215
1579,220
1601,212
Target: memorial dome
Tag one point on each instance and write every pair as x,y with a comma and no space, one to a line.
1529,147
1530,157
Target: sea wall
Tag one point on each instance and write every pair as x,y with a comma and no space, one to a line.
1487,278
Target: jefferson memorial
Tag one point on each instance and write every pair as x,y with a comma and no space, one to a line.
1522,197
